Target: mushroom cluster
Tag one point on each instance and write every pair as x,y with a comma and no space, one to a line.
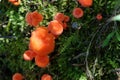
42,40
41,44
63,19
78,12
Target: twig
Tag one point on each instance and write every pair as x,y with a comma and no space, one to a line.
89,74
8,37
95,63
80,54
78,64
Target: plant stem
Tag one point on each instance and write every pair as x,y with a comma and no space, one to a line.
89,74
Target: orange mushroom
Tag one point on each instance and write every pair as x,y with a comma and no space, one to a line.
99,16
33,18
29,55
40,32
66,18
42,42
17,76
15,2
28,18
55,27
42,61
65,25
86,3
46,77
42,46
78,12
36,18
59,17
12,0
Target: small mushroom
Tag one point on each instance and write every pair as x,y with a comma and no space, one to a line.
17,76
86,3
12,1
77,12
15,2
59,17
66,18
33,18
55,27
65,26
29,55
42,61
46,77
99,16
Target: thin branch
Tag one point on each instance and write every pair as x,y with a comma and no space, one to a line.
79,55
95,63
7,37
89,74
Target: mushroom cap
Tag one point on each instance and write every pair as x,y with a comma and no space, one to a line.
66,18
12,1
86,3
55,27
42,61
16,3
42,42
29,55
28,18
46,77
99,16
36,18
77,12
59,17
17,76
40,32
65,25
33,18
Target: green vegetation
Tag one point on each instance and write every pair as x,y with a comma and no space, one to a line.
89,51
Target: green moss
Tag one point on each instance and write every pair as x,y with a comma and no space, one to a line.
67,62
